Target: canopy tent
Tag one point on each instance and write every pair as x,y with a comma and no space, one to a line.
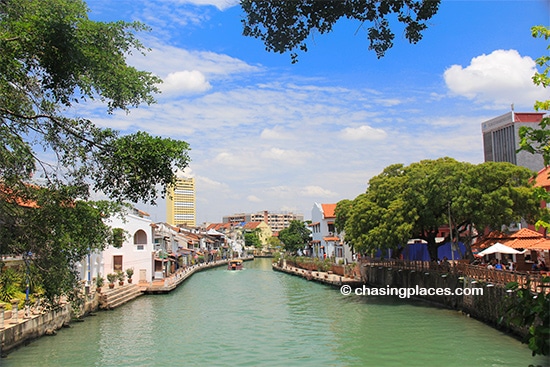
499,248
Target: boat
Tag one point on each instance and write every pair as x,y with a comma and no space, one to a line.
235,264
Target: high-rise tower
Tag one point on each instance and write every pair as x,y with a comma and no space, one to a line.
181,203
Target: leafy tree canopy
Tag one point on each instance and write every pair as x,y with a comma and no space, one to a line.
53,57
285,25
251,239
414,201
295,236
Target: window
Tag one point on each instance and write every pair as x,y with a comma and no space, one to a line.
140,237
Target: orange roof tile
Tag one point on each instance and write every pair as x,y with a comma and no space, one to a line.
252,225
328,210
542,180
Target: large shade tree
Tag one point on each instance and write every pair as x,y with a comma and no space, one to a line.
286,25
415,201
52,159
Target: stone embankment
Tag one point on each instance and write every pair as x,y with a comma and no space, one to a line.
328,278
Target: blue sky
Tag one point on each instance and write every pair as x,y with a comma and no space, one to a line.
269,135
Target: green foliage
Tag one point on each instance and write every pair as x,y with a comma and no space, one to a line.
342,212
413,202
53,58
118,237
286,25
533,311
538,140
120,275
251,239
273,242
11,282
99,281
295,236
130,272
111,277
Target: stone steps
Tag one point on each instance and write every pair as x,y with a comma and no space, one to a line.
112,298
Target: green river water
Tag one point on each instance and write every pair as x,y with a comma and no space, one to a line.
258,317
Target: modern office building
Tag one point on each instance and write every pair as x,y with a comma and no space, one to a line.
501,139
181,203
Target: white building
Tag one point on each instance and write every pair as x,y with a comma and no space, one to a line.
137,249
325,241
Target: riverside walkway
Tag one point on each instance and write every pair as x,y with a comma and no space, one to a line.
170,283
328,278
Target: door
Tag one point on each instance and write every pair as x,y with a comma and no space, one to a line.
117,262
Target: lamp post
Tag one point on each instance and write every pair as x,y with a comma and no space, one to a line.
451,233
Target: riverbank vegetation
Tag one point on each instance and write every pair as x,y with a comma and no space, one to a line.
52,159
414,201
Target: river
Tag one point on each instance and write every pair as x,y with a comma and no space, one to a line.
258,317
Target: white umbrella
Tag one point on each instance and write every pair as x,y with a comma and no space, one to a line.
499,248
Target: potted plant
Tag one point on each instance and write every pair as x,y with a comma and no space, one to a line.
120,276
99,283
111,277
129,273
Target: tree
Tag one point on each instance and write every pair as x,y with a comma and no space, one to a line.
528,310
538,140
415,201
342,212
286,25
295,236
251,239
53,58
273,242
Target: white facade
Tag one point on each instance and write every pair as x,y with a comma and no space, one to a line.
136,251
325,241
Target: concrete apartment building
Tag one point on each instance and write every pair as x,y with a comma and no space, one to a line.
276,221
181,202
501,139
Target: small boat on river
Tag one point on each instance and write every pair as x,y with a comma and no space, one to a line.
235,264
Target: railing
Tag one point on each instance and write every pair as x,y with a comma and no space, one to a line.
476,272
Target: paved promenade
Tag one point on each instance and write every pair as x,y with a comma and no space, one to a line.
318,276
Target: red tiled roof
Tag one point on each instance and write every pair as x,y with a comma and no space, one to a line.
542,180
252,225
328,210
525,238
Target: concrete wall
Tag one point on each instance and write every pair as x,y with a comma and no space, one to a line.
488,307
14,335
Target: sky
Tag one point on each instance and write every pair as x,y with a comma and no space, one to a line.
266,134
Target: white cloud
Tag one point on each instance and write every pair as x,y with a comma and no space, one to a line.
363,132
276,133
185,82
286,156
220,4
164,60
317,192
498,79
254,199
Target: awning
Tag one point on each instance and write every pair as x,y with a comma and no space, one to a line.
499,248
